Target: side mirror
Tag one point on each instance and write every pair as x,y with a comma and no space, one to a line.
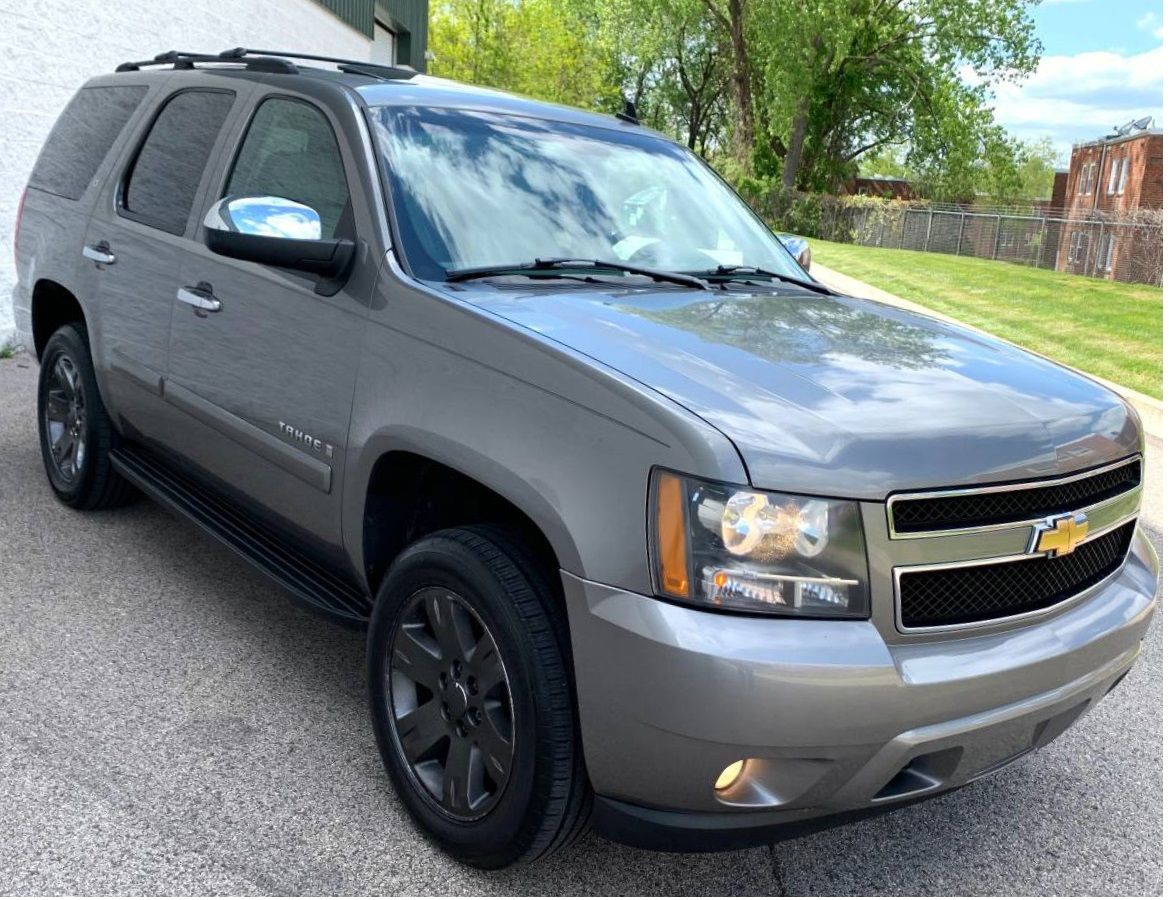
274,231
798,247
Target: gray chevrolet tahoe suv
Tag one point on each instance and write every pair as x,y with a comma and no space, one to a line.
647,527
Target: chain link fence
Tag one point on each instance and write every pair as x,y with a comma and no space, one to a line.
1123,249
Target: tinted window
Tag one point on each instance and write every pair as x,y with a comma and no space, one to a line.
166,174
82,137
290,151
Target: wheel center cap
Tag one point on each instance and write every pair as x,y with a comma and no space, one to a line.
456,699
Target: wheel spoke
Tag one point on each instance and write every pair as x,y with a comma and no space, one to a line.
62,445
421,729
450,624
56,405
496,750
413,659
457,777
485,663
63,372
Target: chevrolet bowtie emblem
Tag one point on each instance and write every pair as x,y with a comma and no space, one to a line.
1060,535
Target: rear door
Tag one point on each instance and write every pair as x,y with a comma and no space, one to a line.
139,229
267,378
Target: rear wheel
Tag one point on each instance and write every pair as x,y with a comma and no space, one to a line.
472,699
76,433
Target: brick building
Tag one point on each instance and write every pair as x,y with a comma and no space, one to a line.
1111,181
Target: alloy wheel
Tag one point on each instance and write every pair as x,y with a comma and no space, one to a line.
65,418
451,704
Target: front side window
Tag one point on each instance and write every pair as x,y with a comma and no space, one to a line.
164,179
290,151
477,189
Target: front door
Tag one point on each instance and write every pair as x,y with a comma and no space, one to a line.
265,370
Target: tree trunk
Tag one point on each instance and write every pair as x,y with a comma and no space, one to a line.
796,144
743,126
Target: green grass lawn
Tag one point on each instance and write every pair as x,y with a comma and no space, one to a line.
1108,328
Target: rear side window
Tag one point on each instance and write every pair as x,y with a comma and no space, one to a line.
290,151
164,179
82,137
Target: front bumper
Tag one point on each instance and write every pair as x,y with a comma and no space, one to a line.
836,721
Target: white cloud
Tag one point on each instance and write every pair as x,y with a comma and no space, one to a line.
1152,23
1080,97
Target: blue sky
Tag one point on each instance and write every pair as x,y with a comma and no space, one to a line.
1102,66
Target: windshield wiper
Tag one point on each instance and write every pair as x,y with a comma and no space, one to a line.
543,266
733,273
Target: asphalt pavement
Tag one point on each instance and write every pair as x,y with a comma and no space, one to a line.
172,723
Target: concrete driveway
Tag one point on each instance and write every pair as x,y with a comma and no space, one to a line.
171,723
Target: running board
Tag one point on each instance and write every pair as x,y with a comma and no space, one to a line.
310,582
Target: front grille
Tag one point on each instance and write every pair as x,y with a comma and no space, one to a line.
995,507
932,598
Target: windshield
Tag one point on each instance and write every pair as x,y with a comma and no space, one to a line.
474,189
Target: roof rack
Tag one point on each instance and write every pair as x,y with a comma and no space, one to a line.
268,61
354,66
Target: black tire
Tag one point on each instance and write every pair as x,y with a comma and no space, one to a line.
72,418
544,802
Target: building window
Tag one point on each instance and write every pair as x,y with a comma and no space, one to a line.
1113,183
1085,182
1077,246
1106,254
1123,171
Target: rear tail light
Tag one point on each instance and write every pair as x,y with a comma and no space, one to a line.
16,228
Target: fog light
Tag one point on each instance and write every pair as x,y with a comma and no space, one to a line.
729,775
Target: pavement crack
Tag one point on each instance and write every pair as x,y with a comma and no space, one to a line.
774,856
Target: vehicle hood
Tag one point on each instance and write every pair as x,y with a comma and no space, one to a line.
836,395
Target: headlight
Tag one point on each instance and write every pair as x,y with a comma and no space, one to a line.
753,551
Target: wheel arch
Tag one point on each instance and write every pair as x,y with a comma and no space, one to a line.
411,487
52,305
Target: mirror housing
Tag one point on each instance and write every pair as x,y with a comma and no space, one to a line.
275,231
798,248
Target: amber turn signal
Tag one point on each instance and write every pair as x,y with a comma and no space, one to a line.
672,536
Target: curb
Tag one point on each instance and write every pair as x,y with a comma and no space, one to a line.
1149,409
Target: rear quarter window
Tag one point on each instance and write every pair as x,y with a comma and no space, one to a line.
81,138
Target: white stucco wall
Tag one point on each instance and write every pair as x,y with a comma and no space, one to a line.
49,48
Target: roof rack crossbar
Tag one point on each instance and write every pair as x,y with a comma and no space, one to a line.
395,71
270,61
182,59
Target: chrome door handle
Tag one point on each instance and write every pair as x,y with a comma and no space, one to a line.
99,253
200,297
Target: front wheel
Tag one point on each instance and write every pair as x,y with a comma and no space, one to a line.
472,699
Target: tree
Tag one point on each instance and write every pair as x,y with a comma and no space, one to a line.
732,17
1037,169
542,48
846,77
797,90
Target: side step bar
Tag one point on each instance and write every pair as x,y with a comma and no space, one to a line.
311,583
